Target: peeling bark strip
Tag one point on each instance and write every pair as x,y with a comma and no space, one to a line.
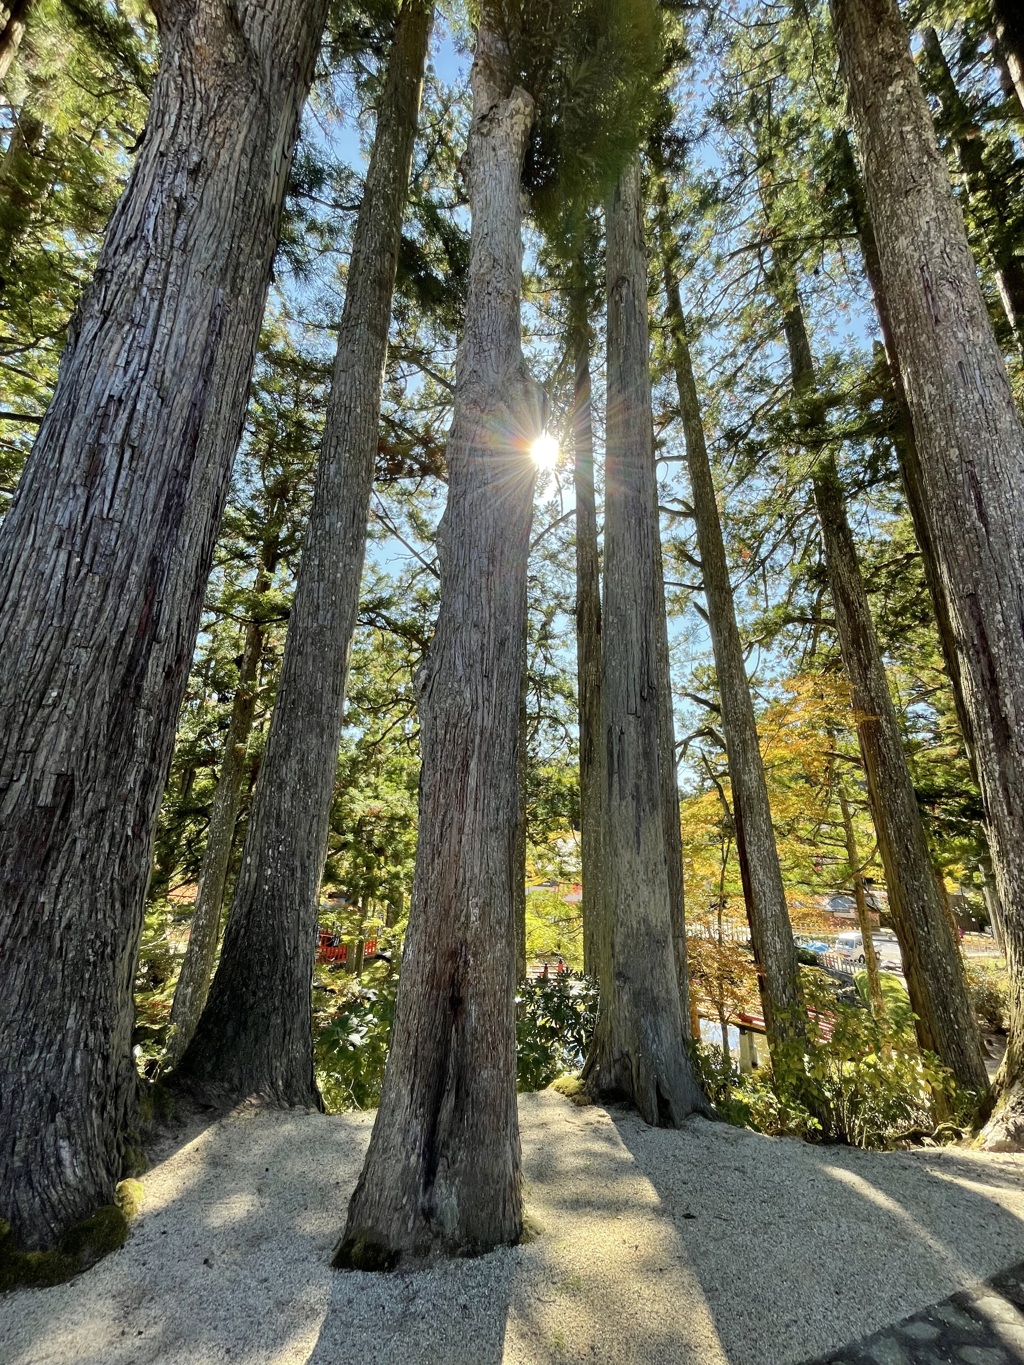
443,1176
763,891
936,982
969,439
639,1051
103,560
255,1036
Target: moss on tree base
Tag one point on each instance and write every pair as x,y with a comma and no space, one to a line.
573,1089
81,1246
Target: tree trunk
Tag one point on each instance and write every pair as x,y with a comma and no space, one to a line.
763,891
860,900
970,442
934,970
588,665
991,899
639,1052
443,1173
905,441
12,31
104,557
988,199
1008,30
197,966
21,184
255,1036
670,781
519,852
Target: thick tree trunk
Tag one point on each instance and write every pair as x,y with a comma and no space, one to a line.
103,560
12,30
988,199
931,958
255,1036
639,1052
970,442
1008,30
763,891
443,1173
197,966
588,666
860,900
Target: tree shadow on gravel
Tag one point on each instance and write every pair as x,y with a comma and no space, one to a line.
800,1248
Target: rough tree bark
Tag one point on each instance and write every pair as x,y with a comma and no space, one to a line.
197,965
588,663
103,561
255,1035
763,891
639,1052
970,442
443,1173
988,198
932,963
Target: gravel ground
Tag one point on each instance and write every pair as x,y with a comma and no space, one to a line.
710,1245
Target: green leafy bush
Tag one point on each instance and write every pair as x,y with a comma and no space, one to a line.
554,1024
858,1081
351,1036
988,991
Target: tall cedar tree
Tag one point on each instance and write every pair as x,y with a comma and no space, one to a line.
934,968
639,1051
443,1173
970,443
760,870
255,1035
588,659
103,561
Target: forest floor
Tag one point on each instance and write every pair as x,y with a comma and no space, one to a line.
710,1244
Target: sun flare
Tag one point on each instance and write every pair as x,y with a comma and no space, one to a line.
544,451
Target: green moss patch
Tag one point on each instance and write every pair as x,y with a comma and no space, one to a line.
80,1247
573,1089
362,1253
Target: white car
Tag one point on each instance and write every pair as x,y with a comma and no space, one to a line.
851,945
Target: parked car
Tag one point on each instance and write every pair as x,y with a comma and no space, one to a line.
851,946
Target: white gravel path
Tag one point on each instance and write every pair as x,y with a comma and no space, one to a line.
710,1245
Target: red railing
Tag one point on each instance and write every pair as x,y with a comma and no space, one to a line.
329,948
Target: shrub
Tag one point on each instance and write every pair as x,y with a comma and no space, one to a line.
866,1083
554,1024
988,991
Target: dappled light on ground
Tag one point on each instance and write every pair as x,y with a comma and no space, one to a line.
712,1245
